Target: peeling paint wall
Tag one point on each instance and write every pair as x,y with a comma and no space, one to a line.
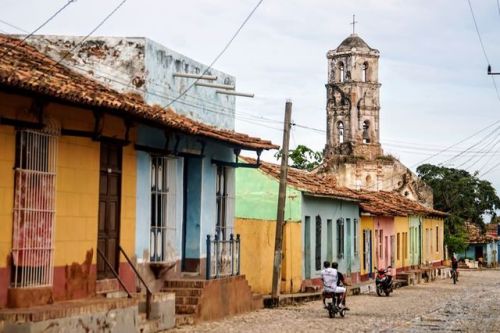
146,68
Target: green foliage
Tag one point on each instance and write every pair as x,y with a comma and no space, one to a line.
303,157
464,196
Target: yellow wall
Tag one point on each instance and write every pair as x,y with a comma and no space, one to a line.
129,176
401,227
257,254
77,187
7,156
77,197
432,252
366,223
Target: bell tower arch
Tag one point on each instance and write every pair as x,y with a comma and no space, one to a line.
353,100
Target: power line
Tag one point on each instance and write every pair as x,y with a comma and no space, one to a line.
93,30
487,136
490,169
482,46
39,27
219,55
14,26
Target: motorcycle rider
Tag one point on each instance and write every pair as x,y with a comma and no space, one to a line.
454,266
341,283
330,276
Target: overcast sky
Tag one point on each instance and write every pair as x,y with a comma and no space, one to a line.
434,92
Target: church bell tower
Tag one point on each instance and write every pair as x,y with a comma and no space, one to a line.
353,103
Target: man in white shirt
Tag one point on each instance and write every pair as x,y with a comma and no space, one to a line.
330,281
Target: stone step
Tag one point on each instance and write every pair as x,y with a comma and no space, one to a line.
190,284
185,308
186,300
184,319
183,292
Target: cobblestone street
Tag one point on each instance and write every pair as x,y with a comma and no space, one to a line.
473,305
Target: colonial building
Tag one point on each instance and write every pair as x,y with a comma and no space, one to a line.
353,150
89,176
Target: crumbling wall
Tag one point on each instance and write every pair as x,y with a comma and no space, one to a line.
145,68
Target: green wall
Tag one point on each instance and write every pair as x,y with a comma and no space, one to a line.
257,196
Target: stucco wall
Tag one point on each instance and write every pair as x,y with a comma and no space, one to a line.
257,254
385,225
144,67
77,196
415,240
401,225
367,223
257,196
432,243
332,209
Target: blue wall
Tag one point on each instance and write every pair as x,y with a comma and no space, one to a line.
201,193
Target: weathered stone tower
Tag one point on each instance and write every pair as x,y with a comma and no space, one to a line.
353,103
353,150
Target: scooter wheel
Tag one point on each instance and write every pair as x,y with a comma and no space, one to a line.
342,313
331,311
387,293
379,292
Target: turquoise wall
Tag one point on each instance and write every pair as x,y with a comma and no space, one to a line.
331,209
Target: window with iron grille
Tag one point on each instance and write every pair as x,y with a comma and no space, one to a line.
340,238
159,208
34,209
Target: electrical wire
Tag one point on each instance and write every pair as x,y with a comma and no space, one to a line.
91,32
487,136
218,55
482,47
39,27
14,26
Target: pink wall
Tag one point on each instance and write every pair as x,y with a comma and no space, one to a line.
384,226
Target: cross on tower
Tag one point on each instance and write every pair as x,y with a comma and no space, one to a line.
353,24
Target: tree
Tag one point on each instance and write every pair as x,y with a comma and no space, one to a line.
303,157
464,196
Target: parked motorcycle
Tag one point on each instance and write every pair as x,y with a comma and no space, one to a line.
383,282
333,301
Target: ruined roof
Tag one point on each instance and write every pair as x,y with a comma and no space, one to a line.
310,183
24,68
475,235
354,41
394,204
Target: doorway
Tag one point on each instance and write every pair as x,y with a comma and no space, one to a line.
191,225
108,234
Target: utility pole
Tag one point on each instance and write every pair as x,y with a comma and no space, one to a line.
278,242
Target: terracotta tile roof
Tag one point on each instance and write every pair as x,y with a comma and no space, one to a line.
23,67
394,204
474,234
315,184
325,184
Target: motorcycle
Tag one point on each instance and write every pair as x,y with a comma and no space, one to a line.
383,282
333,301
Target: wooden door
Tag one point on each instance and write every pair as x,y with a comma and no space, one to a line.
108,235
